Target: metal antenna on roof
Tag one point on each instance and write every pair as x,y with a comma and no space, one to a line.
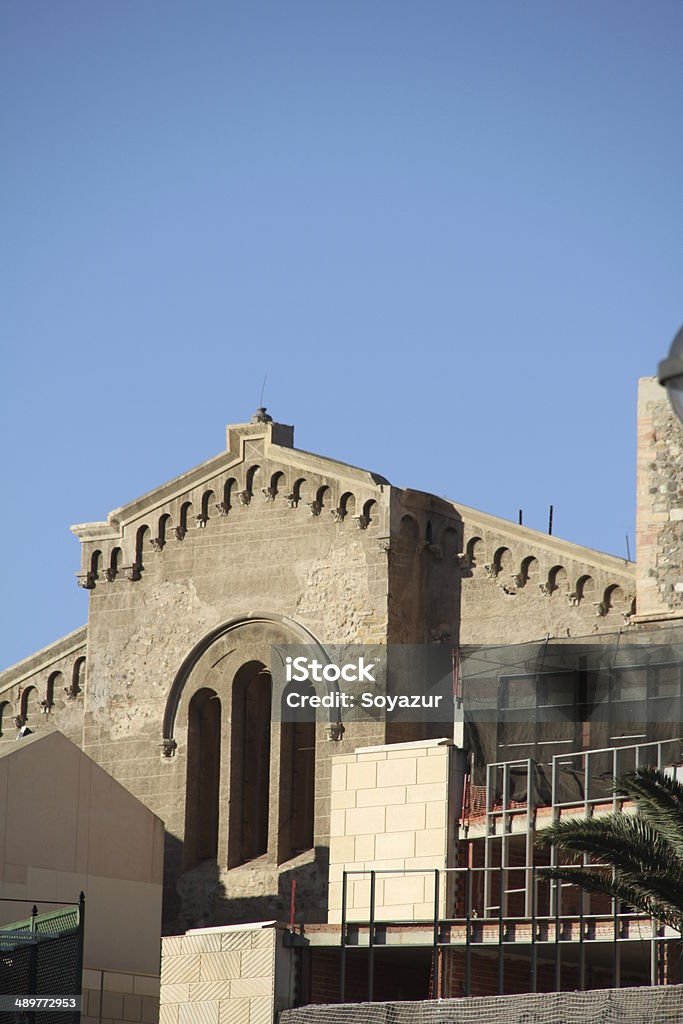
263,388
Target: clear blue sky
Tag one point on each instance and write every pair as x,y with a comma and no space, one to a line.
449,232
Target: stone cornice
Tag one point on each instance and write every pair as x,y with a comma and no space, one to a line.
205,472
611,564
62,648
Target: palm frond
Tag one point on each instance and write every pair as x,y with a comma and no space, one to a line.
659,798
627,841
658,899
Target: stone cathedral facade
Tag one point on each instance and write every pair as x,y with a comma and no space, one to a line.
168,685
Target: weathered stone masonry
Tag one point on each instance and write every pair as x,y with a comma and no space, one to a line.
190,586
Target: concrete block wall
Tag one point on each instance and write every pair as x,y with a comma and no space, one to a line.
119,997
238,974
392,810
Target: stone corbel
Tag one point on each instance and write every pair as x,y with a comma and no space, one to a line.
315,507
132,572
244,497
507,589
436,551
601,608
335,732
110,575
222,508
573,597
270,493
338,514
546,588
421,547
86,580
201,520
292,500
463,560
180,533
384,544
362,521
70,693
491,570
517,579
44,706
158,543
168,747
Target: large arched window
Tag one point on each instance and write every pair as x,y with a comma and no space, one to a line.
249,764
203,777
297,780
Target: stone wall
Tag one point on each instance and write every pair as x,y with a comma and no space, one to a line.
659,521
238,975
119,997
392,810
263,545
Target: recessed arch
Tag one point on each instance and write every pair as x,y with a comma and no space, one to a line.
95,564
226,503
185,513
297,776
78,676
558,578
474,550
115,563
277,483
208,497
298,492
300,635
143,544
28,696
251,714
253,473
163,527
530,569
369,511
347,503
502,559
55,681
203,777
585,587
614,598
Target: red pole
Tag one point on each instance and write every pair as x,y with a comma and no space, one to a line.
291,909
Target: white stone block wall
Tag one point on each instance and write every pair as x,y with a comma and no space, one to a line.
391,810
222,976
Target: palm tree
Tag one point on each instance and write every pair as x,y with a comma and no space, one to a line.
641,853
